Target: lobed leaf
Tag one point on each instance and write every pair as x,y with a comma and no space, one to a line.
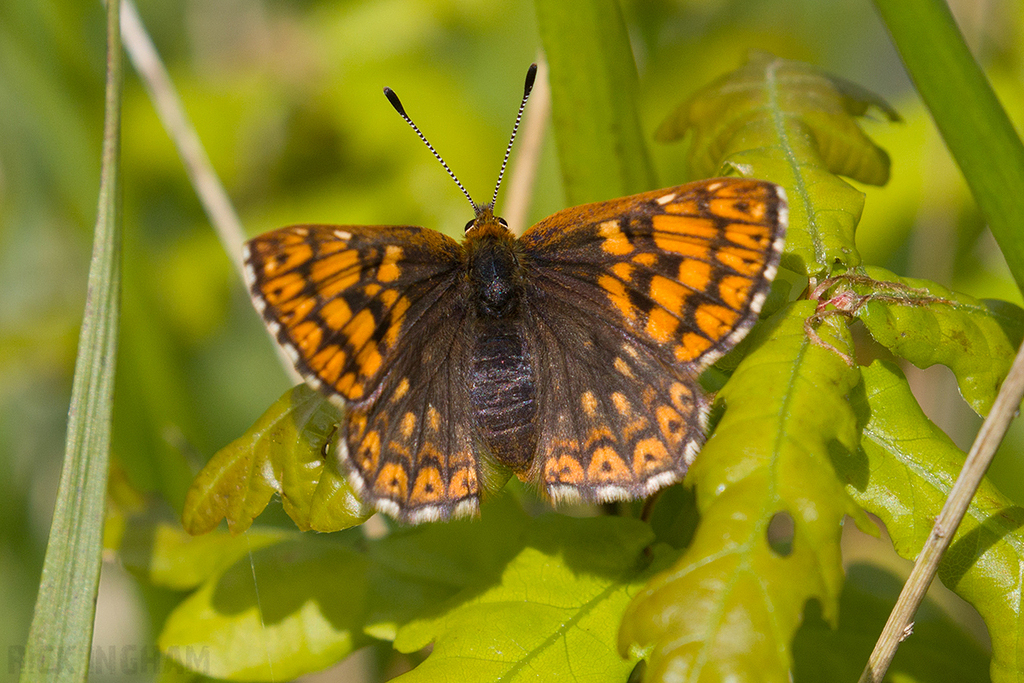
938,651
927,323
303,604
728,609
793,124
902,472
284,452
552,615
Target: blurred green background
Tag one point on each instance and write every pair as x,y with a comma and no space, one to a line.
286,96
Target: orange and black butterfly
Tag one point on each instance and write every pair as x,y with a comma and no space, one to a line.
569,355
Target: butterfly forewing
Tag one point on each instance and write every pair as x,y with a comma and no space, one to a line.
683,270
340,298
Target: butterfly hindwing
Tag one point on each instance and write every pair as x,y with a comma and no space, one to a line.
613,421
411,450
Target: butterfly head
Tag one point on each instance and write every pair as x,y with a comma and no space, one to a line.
486,222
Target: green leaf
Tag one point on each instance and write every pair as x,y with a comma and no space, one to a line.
164,555
902,472
552,615
973,124
728,609
300,606
927,323
593,80
788,122
938,650
60,637
283,452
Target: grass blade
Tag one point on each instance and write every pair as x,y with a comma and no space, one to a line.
60,637
973,124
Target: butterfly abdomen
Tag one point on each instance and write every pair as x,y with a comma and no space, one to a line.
502,384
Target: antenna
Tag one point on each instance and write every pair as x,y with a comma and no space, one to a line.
397,104
531,76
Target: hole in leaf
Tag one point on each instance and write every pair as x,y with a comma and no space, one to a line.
780,533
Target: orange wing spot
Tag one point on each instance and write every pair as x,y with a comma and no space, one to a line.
645,258
389,270
287,259
692,347
671,424
735,291
682,397
589,403
335,287
294,310
463,484
691,249
621,403
307,337
319,361
369,361
564,469
617,295
428,487
433,418
742,261
598,434
360,329
695,274
368,453
408,424
392,482
670,231
606,465
388,297
633,428
623,367
661,326
336,313
347,386
615,241
332,370
756,239
401,390
335,265
686,206
332,247
623,271
650,455
709,323
371,289
282,288
397,320
738,209
668,294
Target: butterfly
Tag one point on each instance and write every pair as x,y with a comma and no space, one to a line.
568,356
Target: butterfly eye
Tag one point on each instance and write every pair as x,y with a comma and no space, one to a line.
470,224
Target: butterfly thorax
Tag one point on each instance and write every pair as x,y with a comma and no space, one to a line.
493,269
502,377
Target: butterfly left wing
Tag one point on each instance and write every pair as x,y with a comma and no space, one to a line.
374,317
630,300
341,298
